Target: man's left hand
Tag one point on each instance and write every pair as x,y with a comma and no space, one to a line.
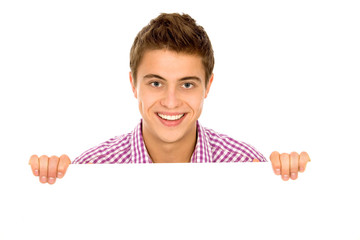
288,165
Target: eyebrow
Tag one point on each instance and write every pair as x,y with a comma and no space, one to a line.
181,79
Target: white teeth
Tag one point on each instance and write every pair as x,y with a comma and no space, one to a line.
171,118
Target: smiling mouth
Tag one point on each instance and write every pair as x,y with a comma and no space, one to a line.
171,117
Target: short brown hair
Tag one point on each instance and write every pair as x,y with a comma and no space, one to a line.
174,32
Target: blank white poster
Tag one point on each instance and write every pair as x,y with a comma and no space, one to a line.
180,201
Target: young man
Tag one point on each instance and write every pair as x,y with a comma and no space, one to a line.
171,63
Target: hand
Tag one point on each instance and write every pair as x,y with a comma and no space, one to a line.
48,169
288,165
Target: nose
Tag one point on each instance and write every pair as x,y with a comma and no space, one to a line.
171,99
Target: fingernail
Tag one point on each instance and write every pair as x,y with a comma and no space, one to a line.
286,177
277,171
59,175
293,175
51,180
301,169
36,172
43,179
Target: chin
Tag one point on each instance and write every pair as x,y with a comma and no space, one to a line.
170,137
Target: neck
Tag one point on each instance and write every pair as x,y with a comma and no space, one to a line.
179,151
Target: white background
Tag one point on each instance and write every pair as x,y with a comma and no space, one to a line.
286,76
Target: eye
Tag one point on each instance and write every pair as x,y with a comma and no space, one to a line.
155,84
188,85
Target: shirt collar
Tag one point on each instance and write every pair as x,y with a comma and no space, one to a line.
202,152
139,154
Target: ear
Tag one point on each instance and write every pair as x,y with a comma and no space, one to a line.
132,84
209,85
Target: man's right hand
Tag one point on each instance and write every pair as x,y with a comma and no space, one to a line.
49,168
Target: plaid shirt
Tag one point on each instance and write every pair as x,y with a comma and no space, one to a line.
211,147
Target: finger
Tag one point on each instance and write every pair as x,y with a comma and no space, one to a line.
44,161
294,165
63,165
275,162
256,160
34,163
53,168
285,166
304,159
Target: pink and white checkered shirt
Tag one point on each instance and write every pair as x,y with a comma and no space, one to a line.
211,147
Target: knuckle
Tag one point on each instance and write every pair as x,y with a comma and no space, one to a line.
274,156
294,168
284,156
275,153
52,167
294,154
53,158
294,162
304,154
33,159
61,169
64,158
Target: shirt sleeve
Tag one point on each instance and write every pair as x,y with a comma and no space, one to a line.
245,151
256,154
94,154
90,155
114,150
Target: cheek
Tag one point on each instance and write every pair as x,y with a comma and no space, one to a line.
196,103
146,101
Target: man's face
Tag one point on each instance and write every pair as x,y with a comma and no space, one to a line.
171,91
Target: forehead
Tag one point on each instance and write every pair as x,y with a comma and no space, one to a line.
171,64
